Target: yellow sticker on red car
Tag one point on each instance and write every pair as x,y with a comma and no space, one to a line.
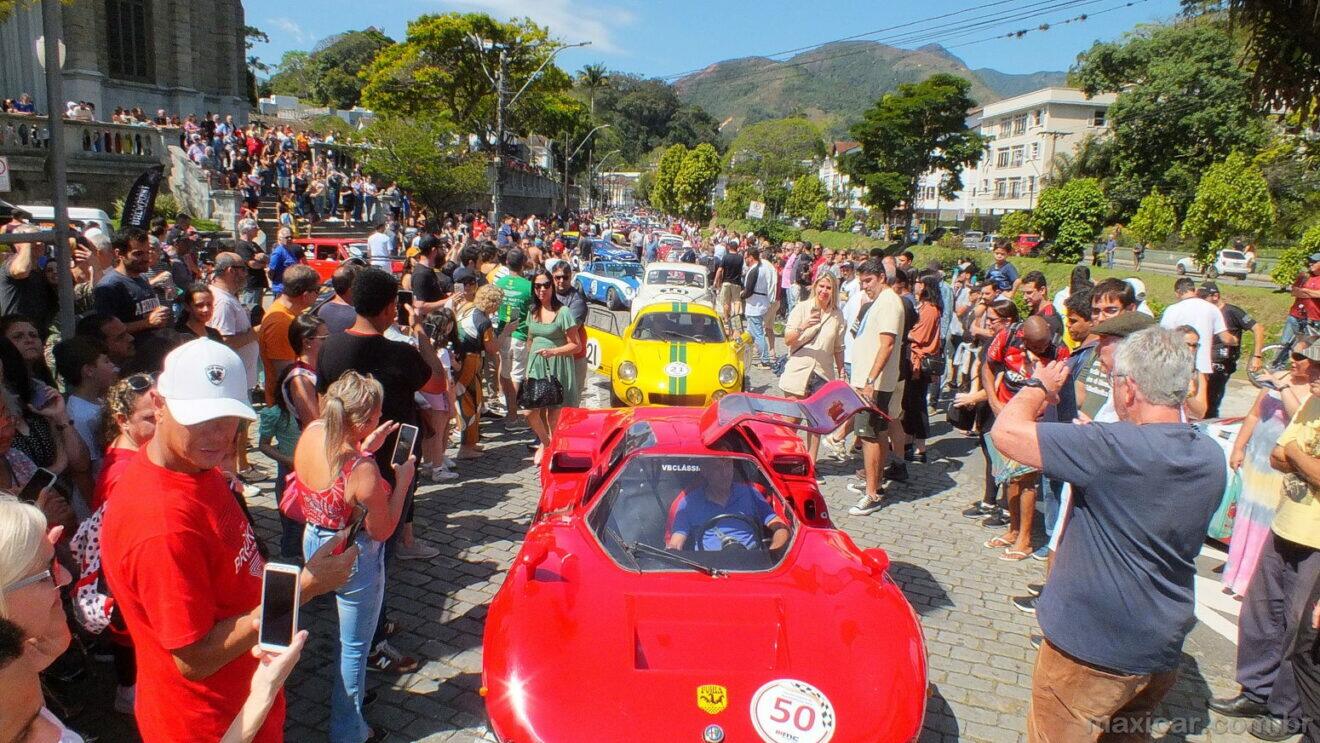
712,698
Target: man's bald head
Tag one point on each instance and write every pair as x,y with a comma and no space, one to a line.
1037,335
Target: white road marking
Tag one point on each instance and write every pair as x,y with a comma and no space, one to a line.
1211,606
1216,553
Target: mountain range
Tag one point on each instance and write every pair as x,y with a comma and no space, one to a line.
835,83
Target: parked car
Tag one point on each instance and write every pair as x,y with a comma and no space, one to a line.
45,215
987,242
972,238
608,628
673,282
612,283
1027,244
934,235
1228,262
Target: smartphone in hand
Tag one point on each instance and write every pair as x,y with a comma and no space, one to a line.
280,593
403,447
404,303
41,479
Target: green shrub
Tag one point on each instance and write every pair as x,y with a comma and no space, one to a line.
1294,260
1014,224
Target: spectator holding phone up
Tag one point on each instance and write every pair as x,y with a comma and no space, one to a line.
339,486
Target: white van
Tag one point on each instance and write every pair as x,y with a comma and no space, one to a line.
45,216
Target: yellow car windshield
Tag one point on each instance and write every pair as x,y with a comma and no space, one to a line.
677,327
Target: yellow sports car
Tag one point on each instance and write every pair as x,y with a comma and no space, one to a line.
672,353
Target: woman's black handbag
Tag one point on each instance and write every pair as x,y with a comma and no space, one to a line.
961,417
933,365
540,393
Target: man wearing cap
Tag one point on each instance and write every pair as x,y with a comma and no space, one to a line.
429,287
1223,357
1120,599
1202,316
1305,310
184,562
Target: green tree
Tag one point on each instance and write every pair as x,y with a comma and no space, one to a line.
293,75
645,114
694,181
1295,260
443,65
328,75
1232,199
1183,104
918,129
1069,216
663,196
772,154
808,193
428,157
1156,219
819,216
1014,224
737,197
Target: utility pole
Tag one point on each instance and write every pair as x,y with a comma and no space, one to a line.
501,83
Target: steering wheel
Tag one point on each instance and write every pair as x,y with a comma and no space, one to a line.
698,536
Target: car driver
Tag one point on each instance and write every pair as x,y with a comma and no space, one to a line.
720,495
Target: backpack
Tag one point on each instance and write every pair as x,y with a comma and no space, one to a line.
802,270
93,606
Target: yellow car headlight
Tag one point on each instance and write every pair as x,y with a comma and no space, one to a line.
634,396
728,375
628,371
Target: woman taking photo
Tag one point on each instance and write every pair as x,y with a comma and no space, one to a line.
198,306
337,482
42,430
924,344
814,335
553,337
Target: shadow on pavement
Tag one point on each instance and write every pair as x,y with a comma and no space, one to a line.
941,722
923,591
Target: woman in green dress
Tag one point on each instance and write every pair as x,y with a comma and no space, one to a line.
553,337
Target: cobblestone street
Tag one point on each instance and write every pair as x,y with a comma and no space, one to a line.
979,653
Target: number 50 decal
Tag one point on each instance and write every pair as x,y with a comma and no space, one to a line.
788,710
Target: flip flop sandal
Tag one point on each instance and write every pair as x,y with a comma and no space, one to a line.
1014,555
998,542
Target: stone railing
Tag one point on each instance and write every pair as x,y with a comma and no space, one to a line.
196,192
30,135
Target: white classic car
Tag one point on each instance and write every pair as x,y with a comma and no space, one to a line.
673,282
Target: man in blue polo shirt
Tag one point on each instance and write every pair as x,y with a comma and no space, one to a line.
721,495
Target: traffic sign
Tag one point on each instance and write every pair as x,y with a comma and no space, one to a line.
4,174
756,210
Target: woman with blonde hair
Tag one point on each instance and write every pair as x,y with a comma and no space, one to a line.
476,342
814,334
336,483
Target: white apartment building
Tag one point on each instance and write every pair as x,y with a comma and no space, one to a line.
1025,133
842,194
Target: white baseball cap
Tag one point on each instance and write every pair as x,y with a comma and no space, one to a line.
204,380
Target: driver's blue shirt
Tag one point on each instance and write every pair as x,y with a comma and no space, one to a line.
695,510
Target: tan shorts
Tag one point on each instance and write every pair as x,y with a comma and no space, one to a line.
731,297
513,359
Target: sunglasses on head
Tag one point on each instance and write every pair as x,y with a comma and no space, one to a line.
140,382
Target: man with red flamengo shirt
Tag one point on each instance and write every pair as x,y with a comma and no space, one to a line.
183,562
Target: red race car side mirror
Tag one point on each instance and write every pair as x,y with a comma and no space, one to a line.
876,560
533,555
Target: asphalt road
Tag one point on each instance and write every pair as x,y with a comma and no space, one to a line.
979,655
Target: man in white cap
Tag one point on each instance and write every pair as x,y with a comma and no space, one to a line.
182,558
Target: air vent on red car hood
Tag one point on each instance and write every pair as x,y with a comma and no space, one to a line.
711,633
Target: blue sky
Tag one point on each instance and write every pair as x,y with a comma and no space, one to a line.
667,37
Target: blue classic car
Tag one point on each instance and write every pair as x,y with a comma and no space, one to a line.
613,283
604,250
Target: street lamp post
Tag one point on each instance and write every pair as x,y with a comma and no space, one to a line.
592,180
51,56
569,158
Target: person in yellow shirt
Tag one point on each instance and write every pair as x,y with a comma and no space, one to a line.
1276,599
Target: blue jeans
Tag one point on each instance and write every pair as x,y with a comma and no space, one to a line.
358,602
250,298
756,326
291,532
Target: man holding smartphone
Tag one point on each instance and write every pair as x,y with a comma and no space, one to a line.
183,561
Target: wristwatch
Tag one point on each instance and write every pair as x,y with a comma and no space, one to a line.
1033,382
870,382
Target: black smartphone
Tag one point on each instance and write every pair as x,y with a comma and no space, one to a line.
41,479
403,448
350,534
280,591
405,301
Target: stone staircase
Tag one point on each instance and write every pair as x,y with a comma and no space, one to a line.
266,217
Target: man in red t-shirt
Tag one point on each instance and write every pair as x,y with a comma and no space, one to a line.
183,562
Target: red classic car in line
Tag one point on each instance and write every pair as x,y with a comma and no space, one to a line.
326,253
682,581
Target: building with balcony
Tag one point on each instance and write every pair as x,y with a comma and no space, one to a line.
1025,133
183,57
843,196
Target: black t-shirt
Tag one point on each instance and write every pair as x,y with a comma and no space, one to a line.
32,296
1238,321
396,365
128,299
247,250
910,317
428,285
732,263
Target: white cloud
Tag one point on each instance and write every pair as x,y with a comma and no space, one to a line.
568,20
290,28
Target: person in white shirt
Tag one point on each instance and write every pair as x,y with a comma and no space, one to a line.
230,319
378,248
1201,315
877,352
758,284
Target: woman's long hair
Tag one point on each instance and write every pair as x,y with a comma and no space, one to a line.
301,330
17,379
930,291
544,273
834,289
120,399
348,404
38,369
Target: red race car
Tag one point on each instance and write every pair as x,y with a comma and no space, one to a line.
326,253
682,580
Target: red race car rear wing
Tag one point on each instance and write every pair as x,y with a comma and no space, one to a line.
821,413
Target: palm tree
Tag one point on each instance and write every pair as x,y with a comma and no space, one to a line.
593,77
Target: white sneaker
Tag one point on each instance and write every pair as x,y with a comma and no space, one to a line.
440,474
865,505
125,696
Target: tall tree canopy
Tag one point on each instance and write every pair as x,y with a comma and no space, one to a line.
427,156
440,67
921,127
771,155
328,75
1182,105
643,114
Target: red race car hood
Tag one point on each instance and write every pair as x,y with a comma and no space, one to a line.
661,656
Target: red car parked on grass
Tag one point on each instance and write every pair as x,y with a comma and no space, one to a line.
641,607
